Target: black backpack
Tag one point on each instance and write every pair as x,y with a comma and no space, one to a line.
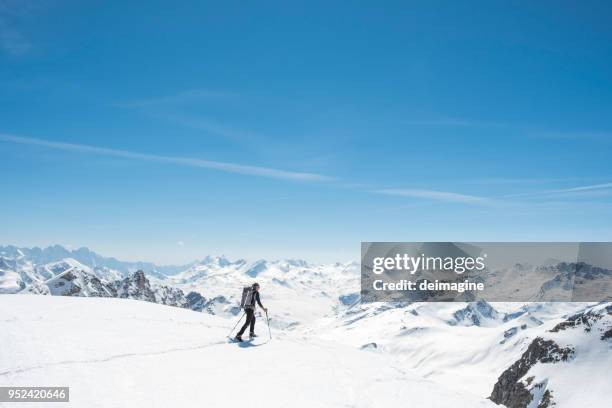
247,297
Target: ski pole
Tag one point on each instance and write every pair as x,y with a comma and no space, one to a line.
236,325
268,321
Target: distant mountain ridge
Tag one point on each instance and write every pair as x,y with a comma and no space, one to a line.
58,271
212,284
87,257
70,278
91,259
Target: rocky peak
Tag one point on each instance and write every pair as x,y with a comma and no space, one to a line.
135,286
139,280
475,313
510,391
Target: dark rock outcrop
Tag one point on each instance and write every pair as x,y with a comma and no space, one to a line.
509,390
474,314
135,286
76,282
547,400
585,320
195,301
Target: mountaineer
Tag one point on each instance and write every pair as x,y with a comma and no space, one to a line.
250,295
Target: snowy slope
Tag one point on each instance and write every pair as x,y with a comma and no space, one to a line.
138,354
442,342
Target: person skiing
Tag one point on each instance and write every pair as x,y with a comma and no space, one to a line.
249,309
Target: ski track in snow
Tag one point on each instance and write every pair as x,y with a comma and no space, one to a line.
292,369
110,358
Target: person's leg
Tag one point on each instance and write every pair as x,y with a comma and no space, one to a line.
249,315
253,323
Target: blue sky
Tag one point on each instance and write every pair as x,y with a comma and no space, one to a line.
283,129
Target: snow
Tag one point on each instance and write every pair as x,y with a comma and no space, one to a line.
123,352
118,353
9,282
419,338
329,348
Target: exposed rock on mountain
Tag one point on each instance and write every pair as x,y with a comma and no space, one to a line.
527,382
585,319
510,390
77,282
137,286
478,313
196,301
68,277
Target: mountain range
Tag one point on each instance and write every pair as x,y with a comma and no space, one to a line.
517,354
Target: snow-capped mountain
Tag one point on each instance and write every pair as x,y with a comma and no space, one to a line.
298,291
19,272
561,281
104,267
478,313
68,277
72,279
302,291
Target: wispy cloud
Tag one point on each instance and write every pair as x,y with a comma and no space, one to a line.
570,190
187,96
274,173
431,195
244,169
603,186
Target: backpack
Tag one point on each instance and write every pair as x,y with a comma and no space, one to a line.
247,297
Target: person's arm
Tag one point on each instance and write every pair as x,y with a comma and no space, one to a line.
259,301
